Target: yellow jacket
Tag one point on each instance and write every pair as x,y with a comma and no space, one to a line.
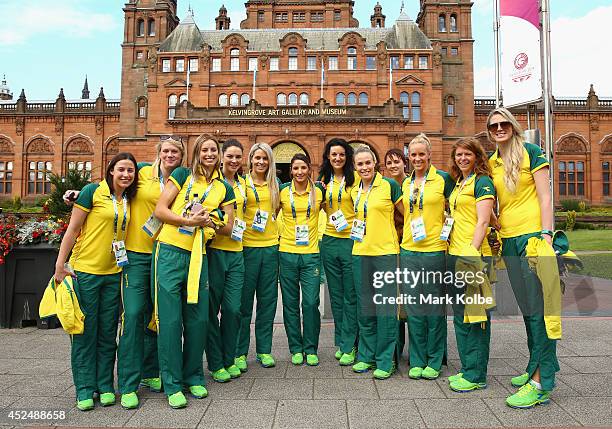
475,286
61,300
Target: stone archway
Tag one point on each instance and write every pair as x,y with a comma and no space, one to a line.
283,152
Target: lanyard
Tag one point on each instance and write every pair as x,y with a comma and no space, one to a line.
331,191
252,185
116,219
206,192
292,201
161,179
365,203
411,196
242,193
460,189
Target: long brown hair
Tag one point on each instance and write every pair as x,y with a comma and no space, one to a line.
481,164
197,169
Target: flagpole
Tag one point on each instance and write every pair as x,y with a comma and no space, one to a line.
188,76
548,106
497,53
254,82
322,75
390,77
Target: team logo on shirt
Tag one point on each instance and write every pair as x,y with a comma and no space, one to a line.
486,188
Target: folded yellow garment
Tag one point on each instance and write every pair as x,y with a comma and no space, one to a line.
476,285
195,266
61,300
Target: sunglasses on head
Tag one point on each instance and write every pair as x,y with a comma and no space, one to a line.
496,125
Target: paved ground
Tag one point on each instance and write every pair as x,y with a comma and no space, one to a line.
35,375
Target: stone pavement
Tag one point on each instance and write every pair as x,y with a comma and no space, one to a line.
35,375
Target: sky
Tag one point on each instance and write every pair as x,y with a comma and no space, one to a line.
46,45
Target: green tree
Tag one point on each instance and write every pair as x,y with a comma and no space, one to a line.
75,180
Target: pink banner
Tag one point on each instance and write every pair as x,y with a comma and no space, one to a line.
529,10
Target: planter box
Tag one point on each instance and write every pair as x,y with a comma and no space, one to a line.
23,279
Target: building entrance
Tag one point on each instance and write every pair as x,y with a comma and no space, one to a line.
283,152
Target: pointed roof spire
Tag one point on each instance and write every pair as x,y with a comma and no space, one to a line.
85,92
402,7
189,17
22,96
101,94
591,90
61,94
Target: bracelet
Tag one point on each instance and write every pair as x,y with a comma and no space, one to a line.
547,232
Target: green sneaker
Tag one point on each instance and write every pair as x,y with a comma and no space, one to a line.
221,375
379,374
455,377
198,392
520,380
528,396
129,401
297,358
338,354
85,404
241,363
312,360
463,385
107,399
234,371
429,373
360,367
154,384
266,360
348,358
415,372
177,400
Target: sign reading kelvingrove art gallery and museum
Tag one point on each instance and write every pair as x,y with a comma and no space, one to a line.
310,111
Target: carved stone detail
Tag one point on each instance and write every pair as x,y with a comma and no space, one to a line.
594,122
113,148
6,146
79,146
59,125
99,125
571,145
19,125
606,147
40,145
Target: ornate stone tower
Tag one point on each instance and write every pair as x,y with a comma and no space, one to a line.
448,24
377,19
222,22
147,24
85,92
5,91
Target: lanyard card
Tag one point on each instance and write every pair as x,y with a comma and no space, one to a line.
418,229
447,228
238,229
152,226
358,230
120,253
301,235
338,220
260,220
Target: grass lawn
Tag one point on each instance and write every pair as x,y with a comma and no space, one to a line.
597,265
584,239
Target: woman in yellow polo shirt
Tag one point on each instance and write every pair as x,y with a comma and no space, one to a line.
260,252
375,252
521,178
423,249
300,201
95,236
181,271
471,203
336,246
226,275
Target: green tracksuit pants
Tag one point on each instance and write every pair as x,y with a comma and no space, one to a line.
378,323
261,278
337,261
182,326
301,272
93,352
137,351
426,322
528,293
226,278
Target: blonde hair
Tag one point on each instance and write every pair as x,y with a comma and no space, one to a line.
365,149
197,169
271,173
158,147
512,154
421,139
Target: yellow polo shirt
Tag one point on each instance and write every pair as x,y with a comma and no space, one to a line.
438,186
220,195
301,200
253,238
346,205
225,242
141,207
380,235
463,209
92,252
519,213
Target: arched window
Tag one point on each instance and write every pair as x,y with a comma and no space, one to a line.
140,28
244,99
304,99
223,100
182,98
293,58
172,100
340,99
151,27
7,155
352,58
235,59
293,99
142,107
234,101
442,23
415,112
38,163
405,99
453,23
352,98
281,99
79,155
363,98
450,106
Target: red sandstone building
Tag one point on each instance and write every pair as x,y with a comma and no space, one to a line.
382,83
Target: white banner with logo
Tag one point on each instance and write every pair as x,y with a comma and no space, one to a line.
521,65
